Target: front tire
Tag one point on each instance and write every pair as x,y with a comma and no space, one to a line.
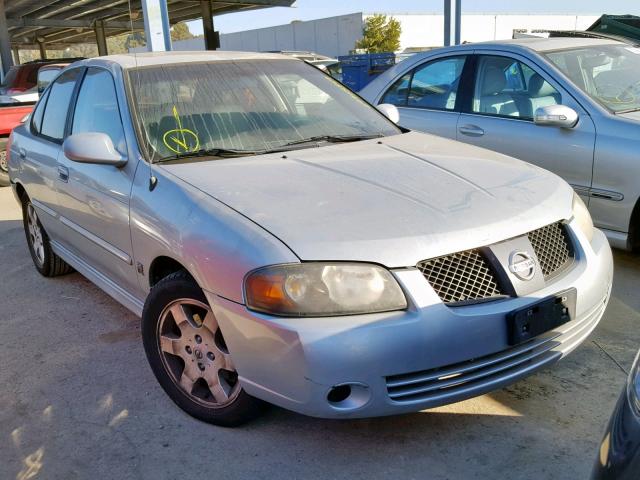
188,354
45,260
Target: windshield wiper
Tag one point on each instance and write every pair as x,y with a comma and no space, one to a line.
332,139
212,152
628,110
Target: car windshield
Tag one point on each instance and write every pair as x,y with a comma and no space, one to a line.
251,106
9,78
610,74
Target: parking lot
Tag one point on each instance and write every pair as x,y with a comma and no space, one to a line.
79,401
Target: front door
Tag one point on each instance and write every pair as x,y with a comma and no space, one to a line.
93,198
426,96
498,115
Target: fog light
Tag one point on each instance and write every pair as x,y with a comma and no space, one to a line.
348,396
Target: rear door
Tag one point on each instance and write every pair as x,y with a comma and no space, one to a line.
427,95
498,114
94,199
39,151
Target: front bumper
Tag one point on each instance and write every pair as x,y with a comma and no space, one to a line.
400,361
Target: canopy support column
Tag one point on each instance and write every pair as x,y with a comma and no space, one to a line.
5,41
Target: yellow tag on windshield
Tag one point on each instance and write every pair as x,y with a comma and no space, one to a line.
181,140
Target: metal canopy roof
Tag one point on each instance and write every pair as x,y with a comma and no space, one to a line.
62,22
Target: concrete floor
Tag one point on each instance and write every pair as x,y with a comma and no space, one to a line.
79,401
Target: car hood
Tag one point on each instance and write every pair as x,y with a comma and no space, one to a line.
395,202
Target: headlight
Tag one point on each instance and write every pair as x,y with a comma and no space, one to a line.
582,216
323,289
633,385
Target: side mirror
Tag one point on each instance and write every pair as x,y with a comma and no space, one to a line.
389,111
556,116
92,147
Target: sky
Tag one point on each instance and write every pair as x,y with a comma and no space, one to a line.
312,9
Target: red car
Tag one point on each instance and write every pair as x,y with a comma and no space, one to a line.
21,78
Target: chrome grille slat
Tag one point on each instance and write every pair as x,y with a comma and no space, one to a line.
467,276
465,367
455,379
443,382
552,248
460,277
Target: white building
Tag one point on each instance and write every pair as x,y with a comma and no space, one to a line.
336,36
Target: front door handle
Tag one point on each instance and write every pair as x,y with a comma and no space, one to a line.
471,130
22,152
63,173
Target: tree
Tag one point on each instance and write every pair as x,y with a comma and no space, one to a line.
180,31
380,34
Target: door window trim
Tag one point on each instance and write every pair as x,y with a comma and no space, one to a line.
60,141
463,80
76,94
531,63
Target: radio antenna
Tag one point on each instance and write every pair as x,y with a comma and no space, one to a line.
153,180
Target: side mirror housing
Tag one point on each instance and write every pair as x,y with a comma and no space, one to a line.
389,111
92,147
556,116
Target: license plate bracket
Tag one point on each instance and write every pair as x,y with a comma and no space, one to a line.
533,320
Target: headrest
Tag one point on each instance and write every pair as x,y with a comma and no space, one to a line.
539,87
494,81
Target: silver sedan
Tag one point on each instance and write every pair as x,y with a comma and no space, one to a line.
570,105
285,242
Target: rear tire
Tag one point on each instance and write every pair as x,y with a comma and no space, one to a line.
188,355
46,262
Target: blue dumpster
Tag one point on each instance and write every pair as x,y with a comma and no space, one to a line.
359,70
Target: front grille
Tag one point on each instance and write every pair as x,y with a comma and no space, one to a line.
460,277
467,276
552,248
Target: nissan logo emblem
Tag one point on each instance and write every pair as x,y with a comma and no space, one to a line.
522,265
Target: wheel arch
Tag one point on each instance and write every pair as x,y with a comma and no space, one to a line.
162,266
21,192
634,227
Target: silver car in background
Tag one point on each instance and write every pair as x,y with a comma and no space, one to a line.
285,242
570,105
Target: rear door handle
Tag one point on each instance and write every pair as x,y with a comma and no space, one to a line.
22,152
471,130
63,173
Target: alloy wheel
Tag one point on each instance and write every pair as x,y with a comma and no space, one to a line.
195,355
3,161
35,234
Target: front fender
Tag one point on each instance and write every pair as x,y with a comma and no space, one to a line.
216,244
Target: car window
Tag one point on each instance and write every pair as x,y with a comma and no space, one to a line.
607,73
55,112
433,85
248,105
32,77
45,76
37,114
509,88
97,108
397,94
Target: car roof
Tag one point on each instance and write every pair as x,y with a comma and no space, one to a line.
146,59
541,44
